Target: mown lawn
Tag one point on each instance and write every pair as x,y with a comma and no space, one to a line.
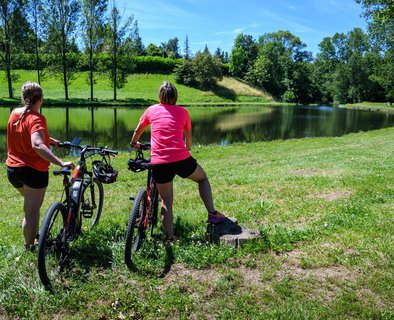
324,208
139,89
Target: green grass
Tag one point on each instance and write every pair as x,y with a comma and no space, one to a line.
324,208
374,106
140,89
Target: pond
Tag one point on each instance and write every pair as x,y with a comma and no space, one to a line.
112,127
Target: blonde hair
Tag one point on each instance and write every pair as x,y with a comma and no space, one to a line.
168,93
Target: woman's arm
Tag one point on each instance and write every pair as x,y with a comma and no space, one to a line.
136,135
188,139
37,142
54,141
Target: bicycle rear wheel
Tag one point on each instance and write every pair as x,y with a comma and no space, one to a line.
50,243
154,205
92,200
135,228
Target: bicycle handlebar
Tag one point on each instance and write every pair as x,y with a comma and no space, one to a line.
144,146
101,150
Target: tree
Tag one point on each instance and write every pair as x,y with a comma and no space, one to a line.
170,49
282,67
380,18
344,68
187,52
94,26
243,55
10,10
153,50
61,17
202,71
221,55
117,34
35,10
133,43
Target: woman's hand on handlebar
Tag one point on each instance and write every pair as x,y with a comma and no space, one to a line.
135,145
69,164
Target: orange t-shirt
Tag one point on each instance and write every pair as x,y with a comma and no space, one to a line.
19,148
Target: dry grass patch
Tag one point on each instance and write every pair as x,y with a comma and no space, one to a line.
179,273
291,268
333,195
243,89
312,172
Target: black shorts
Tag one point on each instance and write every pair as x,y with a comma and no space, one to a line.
166,172
19,176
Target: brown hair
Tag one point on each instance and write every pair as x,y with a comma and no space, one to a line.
31,93
168,93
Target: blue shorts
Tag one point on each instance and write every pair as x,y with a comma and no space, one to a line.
19,176
164,173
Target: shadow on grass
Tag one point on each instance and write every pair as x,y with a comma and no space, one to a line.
154,259
93,250
224,92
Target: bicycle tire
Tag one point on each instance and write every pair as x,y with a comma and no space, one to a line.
91,210
50,242
135,229
154,207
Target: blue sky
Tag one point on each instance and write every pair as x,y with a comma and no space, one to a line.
216,23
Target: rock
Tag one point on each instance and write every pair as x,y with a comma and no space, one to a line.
230,233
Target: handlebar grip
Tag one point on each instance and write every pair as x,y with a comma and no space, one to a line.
145,146
109,151
65,144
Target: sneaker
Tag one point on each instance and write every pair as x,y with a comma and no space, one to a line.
216,217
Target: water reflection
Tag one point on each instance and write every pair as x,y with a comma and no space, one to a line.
112,127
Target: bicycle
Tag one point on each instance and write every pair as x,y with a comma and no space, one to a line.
83,199
144,213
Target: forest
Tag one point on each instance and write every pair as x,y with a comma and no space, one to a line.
63,37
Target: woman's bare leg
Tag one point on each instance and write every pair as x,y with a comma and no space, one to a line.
167,198
204,187
33,199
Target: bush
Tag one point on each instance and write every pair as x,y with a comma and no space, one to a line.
202,71
80,62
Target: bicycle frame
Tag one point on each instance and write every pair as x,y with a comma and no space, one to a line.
77,202
73,192
150,188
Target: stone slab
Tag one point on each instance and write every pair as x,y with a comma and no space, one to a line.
230,233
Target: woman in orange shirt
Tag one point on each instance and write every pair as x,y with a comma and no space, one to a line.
29,156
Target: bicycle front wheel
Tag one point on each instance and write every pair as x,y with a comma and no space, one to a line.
135,227
50,243
92,200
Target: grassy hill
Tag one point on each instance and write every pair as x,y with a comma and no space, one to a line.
139,89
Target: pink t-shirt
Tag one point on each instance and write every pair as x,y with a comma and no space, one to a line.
168,123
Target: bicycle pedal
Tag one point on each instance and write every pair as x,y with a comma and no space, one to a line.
87,214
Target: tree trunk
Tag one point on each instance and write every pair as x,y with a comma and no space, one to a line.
38,62
64,61
8,62
115,62
91,50
8,70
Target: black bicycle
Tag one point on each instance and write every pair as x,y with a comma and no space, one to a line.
79,209
144,213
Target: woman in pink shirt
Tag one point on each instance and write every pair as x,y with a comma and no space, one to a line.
171,140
